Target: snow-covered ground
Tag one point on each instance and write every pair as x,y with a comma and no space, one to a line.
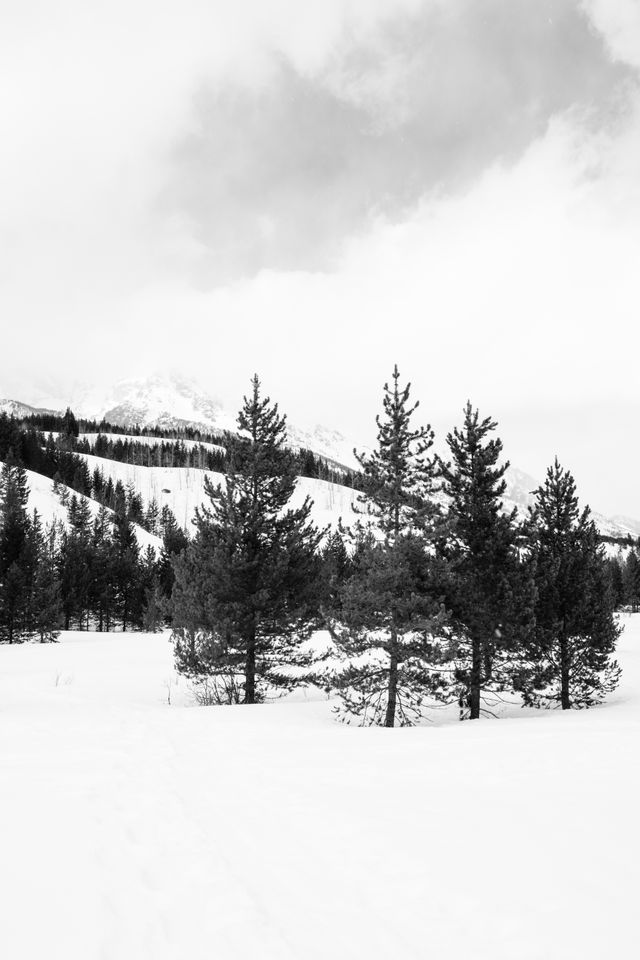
182,489
131,829
43,498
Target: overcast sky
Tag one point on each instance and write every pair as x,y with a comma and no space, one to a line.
318,190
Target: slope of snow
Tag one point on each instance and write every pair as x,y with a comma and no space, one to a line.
131,828
182,490
50,509
173,402
327,443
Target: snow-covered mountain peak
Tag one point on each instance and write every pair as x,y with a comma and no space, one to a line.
162,400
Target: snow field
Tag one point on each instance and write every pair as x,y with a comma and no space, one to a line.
182,489
131,829
51,509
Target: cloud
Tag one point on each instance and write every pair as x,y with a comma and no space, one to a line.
618,21
279,175
238,187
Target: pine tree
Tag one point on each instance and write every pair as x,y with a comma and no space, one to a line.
631,581
46,607
103,586
246,586
154,609
336,569
490,589
174,541
69,431
391,604
616,580
70,426
126,571
75,563
16,568
576,631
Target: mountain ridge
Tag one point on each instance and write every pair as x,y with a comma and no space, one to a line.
173,402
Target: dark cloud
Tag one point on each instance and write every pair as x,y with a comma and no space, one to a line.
278,177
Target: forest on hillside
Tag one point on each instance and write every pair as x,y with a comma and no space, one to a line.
436,595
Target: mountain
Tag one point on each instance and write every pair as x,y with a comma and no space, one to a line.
14,408
172,402
520,494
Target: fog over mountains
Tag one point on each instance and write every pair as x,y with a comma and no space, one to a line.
172,402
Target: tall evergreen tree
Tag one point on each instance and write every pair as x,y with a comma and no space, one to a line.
45,611
174,541
16,562
103,580
576,631
616,580
126,571
246,586
631,581
75,563
391,604
490,589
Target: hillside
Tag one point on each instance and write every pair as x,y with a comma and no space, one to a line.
170,403
174,402
182,490
132,828
43,498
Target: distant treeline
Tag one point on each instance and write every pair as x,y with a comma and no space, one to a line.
171,451
89,573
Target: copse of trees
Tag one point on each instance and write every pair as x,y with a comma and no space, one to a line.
88,573
437,595
29,591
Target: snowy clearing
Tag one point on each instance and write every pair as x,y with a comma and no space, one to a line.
43,498
134,829
182,489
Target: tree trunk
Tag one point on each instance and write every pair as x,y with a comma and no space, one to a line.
565,697
475,681
250,667
392,688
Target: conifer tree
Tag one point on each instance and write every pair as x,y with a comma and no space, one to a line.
391,603
576,631
154,608
16,566
75,563
631,581
103,581
45,608
616,580
174,541
126,571
490,589
336,568
246,586
69,431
